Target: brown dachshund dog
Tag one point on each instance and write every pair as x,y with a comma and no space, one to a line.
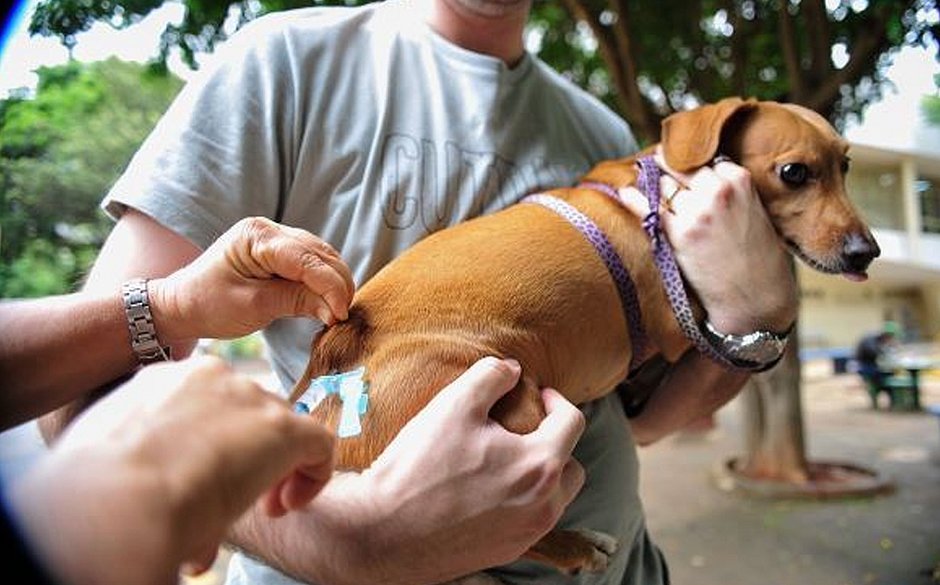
467,292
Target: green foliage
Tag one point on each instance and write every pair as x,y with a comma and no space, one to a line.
59,153
930,104
645,58
931,108
203,26
566,46
248,347
672,54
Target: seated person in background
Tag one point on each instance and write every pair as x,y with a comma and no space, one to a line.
868,353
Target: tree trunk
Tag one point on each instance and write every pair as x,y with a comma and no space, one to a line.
773,422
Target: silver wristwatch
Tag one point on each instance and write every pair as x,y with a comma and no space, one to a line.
757,351
144,339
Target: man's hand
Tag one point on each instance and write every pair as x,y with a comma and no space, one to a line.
727,248
454,475
455,492
153,475
254,273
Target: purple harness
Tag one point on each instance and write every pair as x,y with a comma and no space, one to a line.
648,184
604,249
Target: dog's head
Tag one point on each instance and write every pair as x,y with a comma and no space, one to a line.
798,165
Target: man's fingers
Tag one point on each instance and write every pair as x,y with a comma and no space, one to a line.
271,500
200,562
324,274
563,424
485,382
262,249
326,253
308,454
302,486
315,447
292,493
295,298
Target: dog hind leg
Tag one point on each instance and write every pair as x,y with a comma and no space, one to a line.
573,551
521,409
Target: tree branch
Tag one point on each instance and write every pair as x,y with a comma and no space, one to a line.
864,55
641,111
615,49
818,34
791,55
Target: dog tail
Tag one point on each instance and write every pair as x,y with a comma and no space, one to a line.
337,349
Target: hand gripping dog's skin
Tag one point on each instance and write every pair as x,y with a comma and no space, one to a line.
523,283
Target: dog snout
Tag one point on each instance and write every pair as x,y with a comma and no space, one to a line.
858,251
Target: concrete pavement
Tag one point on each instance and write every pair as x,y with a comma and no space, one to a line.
712,537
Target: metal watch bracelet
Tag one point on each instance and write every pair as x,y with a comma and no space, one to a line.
757,351
144,341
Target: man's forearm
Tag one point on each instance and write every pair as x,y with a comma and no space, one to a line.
342,538
695,386
57,350
321,544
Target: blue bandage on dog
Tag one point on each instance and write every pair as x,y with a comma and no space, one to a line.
351,389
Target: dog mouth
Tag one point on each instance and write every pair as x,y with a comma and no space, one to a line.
826,267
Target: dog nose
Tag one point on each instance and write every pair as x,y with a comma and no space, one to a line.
859,250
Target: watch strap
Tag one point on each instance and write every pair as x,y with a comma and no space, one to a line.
143,334
757,351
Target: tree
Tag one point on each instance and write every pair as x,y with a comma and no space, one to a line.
930,104
647,59
931,108
59,153
826,55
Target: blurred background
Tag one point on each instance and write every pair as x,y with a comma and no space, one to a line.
812,475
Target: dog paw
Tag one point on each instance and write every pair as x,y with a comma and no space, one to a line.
574,551
604,546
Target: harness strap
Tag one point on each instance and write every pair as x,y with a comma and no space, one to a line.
648,184
605,250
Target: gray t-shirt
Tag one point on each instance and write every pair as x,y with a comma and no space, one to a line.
363,126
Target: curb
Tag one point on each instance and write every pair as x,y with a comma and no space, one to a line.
838,480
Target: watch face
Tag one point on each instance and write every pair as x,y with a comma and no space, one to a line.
753,350
761,350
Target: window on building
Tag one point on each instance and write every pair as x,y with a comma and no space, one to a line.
928,189
876,190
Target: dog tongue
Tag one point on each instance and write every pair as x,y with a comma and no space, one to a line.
855,276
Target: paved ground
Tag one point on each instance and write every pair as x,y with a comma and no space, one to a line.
712,537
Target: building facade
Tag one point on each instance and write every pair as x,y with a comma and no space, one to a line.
898,192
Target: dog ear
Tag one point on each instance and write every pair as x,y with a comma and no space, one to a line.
690,139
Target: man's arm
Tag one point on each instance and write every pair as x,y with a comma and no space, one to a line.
732,257
56,350
128,252
117,501
453,493
254,273
693,387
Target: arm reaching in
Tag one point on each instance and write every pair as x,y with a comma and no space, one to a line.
455,492
256,272
150,478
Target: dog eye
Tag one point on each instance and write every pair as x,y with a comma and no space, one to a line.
845,165
794,174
